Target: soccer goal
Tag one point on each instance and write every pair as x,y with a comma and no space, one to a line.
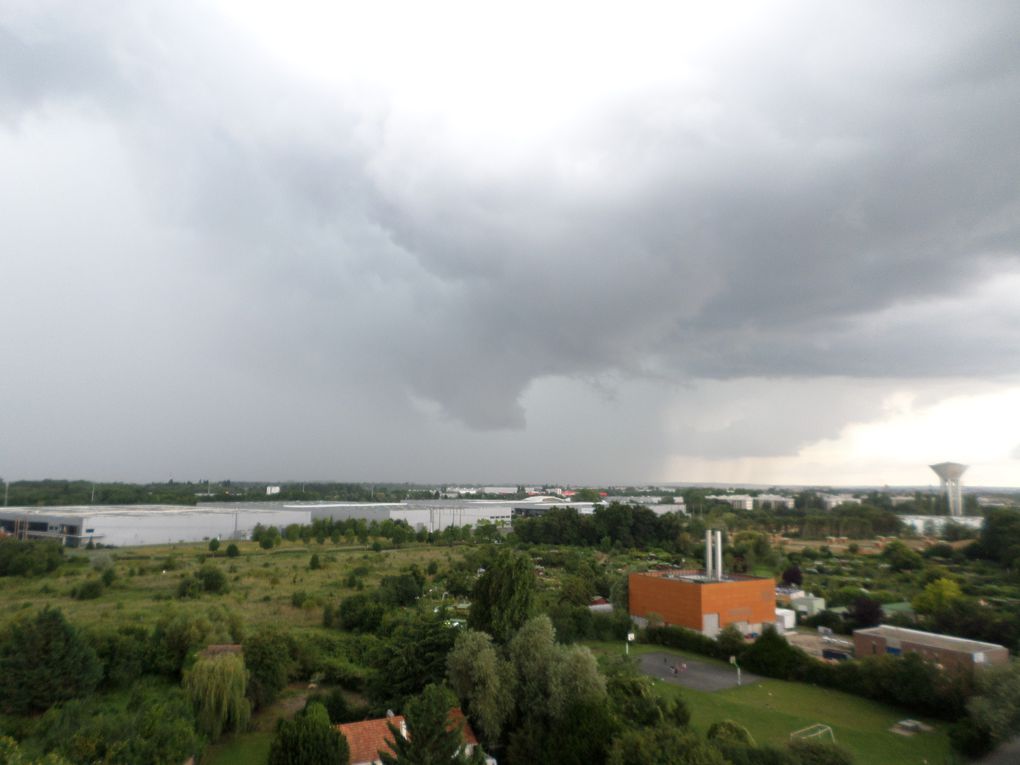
818,730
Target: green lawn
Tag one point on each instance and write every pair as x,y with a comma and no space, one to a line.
772,709
245,749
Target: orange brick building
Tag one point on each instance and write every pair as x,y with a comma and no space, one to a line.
692,600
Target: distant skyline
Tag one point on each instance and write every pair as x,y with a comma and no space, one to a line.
573,243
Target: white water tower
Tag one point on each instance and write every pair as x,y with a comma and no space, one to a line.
950,473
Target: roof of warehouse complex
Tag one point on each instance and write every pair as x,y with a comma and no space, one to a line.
92,510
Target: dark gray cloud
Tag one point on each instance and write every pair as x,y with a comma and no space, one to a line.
833,197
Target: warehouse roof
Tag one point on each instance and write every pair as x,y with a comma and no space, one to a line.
135,510
929,639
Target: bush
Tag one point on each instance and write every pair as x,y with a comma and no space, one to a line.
88,590
340,671
772,656
338,708
360,613
18,558
314,563
108,576
232,550
214,544
685,640
969,738
122,654
189,587
212,578
729,732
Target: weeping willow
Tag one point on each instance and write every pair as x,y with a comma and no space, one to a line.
216,686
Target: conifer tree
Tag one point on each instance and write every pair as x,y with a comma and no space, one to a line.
309,739
43,660
431,739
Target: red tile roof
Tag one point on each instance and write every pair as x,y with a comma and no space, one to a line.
367,738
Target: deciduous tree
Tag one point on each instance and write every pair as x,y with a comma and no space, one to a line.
217,686
503,596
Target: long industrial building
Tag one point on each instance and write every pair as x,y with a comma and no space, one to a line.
125,525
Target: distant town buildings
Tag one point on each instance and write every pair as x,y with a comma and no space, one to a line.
775,501
736,501
748,502
832,501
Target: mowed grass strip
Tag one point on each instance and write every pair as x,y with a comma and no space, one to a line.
244,749
773,709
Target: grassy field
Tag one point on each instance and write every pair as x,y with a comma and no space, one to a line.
772,709
261,583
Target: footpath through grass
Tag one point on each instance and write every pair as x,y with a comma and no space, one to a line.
772,709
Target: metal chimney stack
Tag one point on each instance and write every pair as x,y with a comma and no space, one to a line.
708,553
718,555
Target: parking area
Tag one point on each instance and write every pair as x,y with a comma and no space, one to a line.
691,673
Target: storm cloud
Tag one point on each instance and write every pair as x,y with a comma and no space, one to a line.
438,256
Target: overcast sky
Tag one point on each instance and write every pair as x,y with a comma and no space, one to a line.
566,242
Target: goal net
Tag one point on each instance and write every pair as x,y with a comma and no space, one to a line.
817,730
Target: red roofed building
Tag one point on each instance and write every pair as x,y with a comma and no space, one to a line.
366,739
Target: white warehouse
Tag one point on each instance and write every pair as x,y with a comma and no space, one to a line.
431,515
124,525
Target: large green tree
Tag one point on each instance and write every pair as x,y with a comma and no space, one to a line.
267,655
217,686
483,681
43,660
996,706
503,597
309,739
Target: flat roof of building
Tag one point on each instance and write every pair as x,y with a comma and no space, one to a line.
930,639
137,510
697,576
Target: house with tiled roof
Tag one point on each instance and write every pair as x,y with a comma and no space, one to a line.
369,737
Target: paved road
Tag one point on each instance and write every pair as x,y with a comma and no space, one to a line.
1007,754
701,676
